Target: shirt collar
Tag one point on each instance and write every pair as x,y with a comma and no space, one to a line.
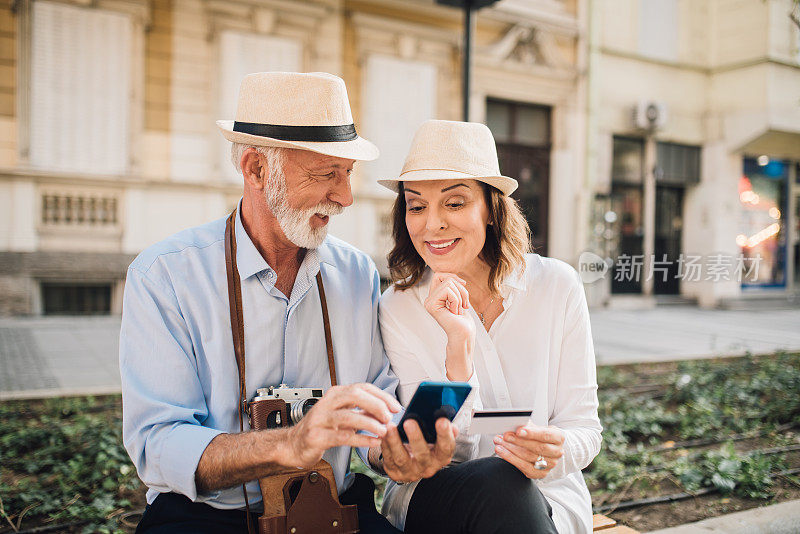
516,280
249,260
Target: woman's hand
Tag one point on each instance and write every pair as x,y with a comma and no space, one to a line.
447,303
524,447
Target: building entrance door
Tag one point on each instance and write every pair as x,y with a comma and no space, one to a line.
531,167
522,134
667,246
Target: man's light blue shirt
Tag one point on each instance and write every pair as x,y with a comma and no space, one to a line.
180,384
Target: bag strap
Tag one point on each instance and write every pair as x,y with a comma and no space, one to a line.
237,328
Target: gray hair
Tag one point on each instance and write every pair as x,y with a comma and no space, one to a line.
273,154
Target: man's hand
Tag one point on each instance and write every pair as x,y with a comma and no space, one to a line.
232,459
523,447
336,419
417,459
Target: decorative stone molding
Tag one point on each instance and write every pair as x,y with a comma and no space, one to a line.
267,17
525,44
407,40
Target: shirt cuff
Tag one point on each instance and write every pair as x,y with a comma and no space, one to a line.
180,454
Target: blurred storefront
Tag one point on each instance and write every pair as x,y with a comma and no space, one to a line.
693,144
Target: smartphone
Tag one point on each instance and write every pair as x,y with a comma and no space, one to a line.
431,401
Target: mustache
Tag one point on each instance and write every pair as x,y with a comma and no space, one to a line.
328,208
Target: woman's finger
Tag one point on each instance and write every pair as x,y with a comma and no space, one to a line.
549,434
525,467
459,297
535,446
452,299
462,289
526,454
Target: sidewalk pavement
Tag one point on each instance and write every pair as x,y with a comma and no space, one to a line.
56,356
59,356
783,518
686,332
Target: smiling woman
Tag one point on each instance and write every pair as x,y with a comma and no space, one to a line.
470,304
475,216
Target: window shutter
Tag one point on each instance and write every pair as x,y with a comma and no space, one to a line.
242,54
399,96
80,89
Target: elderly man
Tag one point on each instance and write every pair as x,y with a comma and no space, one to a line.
196,302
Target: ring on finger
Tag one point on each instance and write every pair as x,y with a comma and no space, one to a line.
540,463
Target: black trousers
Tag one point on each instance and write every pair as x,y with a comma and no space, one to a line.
172,513
482,496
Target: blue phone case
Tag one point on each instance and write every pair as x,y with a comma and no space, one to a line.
431,401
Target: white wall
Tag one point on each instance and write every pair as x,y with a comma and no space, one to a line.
152,215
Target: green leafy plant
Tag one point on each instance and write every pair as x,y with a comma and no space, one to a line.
63,461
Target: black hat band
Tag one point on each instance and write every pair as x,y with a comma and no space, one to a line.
317,134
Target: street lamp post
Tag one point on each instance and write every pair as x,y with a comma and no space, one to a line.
468,6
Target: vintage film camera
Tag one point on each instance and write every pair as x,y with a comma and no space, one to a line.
275,407
297,500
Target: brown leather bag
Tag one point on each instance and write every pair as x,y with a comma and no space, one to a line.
296,501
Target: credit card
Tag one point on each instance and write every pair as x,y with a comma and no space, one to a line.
498,421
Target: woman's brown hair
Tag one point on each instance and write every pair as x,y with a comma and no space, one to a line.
508,239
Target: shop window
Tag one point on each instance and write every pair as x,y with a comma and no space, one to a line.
518,123
627,228
76,299
677,164
762,221
628,160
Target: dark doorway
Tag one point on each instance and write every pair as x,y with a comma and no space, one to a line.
76,299
626,203
531,168
522,135
667,246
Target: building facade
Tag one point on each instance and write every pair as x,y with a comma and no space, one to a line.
694,129
108,142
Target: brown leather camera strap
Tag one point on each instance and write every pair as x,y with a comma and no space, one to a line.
237,328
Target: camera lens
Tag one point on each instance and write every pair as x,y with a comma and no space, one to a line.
301,408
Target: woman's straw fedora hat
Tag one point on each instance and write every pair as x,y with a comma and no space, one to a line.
448,150
309,111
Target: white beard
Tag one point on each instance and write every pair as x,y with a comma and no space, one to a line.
296,223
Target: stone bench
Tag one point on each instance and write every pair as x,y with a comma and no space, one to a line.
606,525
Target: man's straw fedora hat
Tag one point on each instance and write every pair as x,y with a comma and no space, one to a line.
309,111
448,150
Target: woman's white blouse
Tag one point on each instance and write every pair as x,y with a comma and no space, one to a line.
538,354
